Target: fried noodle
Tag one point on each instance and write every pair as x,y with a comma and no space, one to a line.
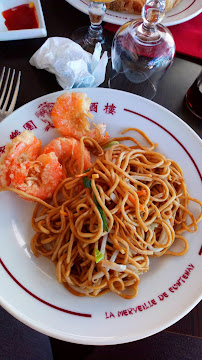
130,205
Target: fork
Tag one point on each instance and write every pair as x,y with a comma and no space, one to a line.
6,90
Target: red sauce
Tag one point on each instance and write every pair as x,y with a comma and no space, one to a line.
21,17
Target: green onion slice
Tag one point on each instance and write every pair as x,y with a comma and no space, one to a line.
86,182
103,216
104,219
111,144
98,256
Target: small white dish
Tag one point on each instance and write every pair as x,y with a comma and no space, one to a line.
6,34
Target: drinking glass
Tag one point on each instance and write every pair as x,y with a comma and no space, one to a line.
142,51
194,97
88,37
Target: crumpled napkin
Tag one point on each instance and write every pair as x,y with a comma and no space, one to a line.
72,65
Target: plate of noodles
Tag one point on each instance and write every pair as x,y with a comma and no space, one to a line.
114,254
184,11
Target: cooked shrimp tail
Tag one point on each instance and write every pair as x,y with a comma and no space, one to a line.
24,147
70,115
68,151
38,178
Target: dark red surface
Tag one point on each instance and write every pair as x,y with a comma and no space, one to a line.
21,17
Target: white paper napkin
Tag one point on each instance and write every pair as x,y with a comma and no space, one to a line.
72,65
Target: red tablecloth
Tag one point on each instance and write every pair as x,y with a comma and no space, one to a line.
187,36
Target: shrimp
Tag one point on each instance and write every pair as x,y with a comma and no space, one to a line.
39,175
24,147
38,178
68,151
69,115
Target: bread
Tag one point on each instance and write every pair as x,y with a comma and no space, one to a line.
135,6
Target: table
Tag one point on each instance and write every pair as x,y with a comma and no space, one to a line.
61,19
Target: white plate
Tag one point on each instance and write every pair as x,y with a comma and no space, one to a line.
185,10
28,286
6,34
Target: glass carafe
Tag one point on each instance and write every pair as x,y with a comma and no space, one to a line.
142,51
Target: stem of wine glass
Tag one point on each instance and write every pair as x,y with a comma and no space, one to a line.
96,12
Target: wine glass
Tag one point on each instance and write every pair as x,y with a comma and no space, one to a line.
88,37
142,52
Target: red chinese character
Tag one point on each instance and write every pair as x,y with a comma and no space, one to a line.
94,106
44,110
2,149
110,109
29,125
14,134
44,114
